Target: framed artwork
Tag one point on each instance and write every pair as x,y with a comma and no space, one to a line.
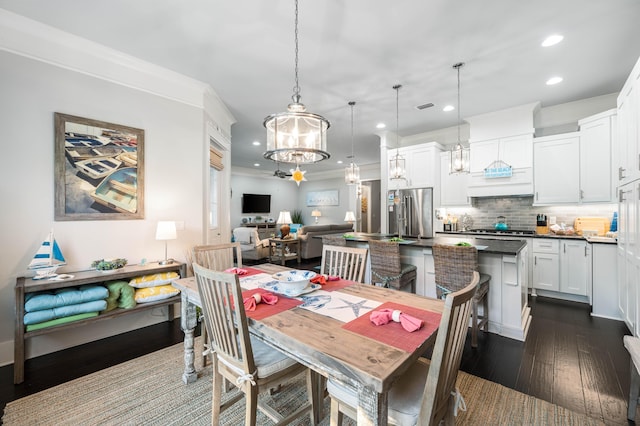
323,198
99,170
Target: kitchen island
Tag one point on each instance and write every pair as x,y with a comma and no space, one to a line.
505,260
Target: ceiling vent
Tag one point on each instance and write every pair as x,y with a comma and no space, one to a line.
425,106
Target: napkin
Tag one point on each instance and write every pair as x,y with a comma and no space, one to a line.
383,316
253,300
238,271
323,279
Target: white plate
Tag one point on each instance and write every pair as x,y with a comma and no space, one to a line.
276,289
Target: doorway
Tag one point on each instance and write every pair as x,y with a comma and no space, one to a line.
370,206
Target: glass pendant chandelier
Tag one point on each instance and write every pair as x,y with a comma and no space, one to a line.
459,153
296,136
352,172
397,168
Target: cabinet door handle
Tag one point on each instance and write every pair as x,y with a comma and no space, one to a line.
564,247
620,195
536,195
535,260
581,194
621,172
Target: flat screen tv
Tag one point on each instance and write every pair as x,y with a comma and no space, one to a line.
256,203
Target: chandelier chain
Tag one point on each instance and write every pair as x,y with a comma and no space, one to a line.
296,89
397,89
352,103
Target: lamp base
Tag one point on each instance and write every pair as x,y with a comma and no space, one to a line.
166,262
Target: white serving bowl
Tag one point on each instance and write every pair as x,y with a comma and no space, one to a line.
293,281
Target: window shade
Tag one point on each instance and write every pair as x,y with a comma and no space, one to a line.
215,159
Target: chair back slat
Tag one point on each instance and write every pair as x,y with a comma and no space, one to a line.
345,262
225,317
447,353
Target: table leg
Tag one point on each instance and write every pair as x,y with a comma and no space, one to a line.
188,322
372,407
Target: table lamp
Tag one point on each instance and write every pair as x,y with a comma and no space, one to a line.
350,217
284,218
166,231
316,214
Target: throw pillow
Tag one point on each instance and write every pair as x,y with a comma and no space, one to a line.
153,280
152,294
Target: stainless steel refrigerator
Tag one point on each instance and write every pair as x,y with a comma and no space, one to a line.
413,210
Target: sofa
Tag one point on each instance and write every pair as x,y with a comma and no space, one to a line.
311,247
254,246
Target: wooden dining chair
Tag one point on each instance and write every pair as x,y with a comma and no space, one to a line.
387,269
426,393
347,263
240,358
454,267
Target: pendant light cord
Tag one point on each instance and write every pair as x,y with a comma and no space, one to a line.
459,103
397,89
352,103
296,88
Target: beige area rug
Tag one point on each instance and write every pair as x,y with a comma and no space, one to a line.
149,391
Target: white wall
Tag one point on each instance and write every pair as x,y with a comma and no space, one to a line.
175,145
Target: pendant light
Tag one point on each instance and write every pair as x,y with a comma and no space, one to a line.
352,172
397,169
296,136
459,153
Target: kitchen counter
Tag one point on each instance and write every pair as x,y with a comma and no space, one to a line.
597,239
486,245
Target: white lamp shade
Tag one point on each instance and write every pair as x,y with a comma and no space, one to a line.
284,217
316,213
166,230
350,216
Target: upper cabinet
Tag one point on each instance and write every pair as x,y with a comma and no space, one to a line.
598,142
422,166
628,162
556,169
453,187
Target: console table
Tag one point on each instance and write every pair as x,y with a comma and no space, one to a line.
278,243
27,285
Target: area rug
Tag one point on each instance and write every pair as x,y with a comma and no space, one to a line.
149,391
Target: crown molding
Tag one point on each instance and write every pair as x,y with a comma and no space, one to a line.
32,39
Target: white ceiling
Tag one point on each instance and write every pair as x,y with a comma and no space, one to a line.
358,49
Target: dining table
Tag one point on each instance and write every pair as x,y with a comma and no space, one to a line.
328,329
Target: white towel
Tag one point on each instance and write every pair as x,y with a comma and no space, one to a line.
243,235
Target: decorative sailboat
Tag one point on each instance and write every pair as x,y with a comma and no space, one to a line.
47,259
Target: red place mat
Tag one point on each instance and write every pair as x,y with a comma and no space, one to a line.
263,310
337,285
392,333
251,271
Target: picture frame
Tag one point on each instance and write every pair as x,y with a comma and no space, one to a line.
323,198
99,170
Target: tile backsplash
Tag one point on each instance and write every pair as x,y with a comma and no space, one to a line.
521,214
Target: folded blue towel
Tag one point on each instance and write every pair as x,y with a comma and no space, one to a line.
64,311
63,297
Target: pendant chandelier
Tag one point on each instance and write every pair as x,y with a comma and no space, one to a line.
397,169
352,172
296,136
459,153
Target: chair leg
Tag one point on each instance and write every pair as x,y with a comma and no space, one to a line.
474,324
485,312
336,414
251,401
634,390
315,396
217,393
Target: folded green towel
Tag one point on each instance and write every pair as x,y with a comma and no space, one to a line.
59,321
121,295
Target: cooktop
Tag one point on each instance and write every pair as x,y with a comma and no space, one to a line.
507,232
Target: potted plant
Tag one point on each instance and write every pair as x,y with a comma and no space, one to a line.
296,217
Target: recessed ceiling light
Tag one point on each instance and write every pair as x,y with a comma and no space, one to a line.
256,143
448,108
256,164
554,80
380,126
552,39
339,161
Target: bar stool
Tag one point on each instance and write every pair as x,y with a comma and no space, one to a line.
387,269
454,267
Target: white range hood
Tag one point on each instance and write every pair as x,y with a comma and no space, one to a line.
501,151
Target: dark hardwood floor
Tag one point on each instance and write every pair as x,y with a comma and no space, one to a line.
570,358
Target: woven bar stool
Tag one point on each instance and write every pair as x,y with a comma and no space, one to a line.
386,268
454,266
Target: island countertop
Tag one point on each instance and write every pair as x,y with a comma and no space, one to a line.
484,245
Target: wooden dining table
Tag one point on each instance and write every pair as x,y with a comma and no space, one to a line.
324,344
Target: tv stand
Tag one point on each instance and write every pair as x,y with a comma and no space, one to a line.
259,225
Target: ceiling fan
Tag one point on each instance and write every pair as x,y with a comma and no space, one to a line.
281,173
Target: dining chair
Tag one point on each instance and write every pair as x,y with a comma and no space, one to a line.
387,269
347,263
217,257
334,240
454,266
240,358
426,393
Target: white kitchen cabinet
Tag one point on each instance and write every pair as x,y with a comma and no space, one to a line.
604,281
422,164
546,264
453,187
628,123
515,151
556,169
574,267
627,253
598,142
